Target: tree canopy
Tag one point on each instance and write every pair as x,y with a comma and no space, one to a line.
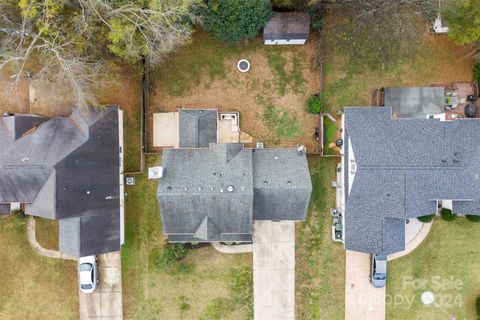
66,42
233,20
463,19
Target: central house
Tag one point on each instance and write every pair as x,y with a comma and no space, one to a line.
213,193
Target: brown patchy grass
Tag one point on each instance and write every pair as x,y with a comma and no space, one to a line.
204,74
46,231
33,287
437,61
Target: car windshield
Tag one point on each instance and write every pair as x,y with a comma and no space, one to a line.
379,276
86,267
86,286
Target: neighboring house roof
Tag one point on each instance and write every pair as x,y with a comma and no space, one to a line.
214,194
64,168
415,102
287,25
402,168
197,128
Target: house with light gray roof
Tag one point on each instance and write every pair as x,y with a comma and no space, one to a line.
68,169
398,169
214,194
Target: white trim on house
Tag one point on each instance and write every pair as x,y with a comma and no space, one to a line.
285,42
122,192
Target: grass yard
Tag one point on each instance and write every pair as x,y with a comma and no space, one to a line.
320,262
32,286
438,60
271,98
446,263
204,285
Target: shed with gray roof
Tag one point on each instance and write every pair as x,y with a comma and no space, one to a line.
402,168
66,168
214,194
287,28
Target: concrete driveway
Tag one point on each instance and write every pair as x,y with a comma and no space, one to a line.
362,300
106,301
274,270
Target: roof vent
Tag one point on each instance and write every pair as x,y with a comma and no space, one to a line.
25,160
230,188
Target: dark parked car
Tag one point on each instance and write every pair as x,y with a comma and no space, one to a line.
378,270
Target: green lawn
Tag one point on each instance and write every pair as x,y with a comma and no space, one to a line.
206,285
446,263
32,286
320,262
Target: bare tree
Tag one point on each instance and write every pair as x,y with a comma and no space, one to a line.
151,30
52,55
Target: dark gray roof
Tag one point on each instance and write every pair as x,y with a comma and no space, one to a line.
4,209
197,128
65,167
282,185
287,25
402,168
415,102
214,194
20,124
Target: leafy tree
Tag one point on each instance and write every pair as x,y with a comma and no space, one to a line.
463,22
233,20
476,71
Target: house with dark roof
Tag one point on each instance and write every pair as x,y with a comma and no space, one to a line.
399,169
214,194
68,169
197,127
287,28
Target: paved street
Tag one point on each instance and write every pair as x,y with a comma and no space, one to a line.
274,270
106,301
362,300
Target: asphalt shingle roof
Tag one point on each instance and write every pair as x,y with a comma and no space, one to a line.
65,167
214,194
403,168
197,128
287,25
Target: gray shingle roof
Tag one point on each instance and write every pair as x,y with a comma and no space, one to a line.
287,25
65,167
403,168
415,102
4,209
197,128
214,194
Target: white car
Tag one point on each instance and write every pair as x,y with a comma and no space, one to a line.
87,270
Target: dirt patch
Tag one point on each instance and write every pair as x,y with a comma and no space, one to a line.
248,93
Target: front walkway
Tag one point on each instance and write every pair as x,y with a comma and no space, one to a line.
32,240
274,270
362,300
415,233
106,301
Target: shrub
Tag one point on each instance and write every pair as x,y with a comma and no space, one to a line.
315,104
170,255
447,214
472,218
427,218
476,71
233,20
18,214
478,306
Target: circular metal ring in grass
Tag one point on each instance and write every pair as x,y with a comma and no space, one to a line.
243,65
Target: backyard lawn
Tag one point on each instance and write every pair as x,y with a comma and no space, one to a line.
271,97
446,263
